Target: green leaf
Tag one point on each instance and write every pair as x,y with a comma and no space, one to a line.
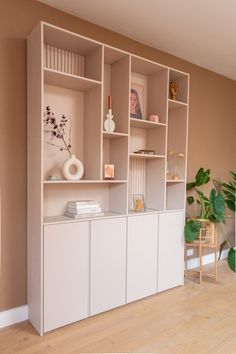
230,204
232,259
191,230
190,185
202,177
190,200
217,201
222,246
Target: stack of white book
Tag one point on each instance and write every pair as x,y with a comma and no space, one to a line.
83,208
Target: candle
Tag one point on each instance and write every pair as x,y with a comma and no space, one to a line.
109,102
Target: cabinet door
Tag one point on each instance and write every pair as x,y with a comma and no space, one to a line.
66,274
142,256
170,250
108,264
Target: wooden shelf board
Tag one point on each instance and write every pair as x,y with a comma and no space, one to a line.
176,104
61,219
143,156
142,123
68,81
145,212
175,181
84,181
114,135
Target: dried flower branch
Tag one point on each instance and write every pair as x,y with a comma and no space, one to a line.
57,130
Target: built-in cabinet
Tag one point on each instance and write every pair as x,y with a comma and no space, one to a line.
108,264
170,250
78,268
142,241
66,274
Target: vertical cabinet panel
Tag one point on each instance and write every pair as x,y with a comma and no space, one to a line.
108,264
170,250
66,274
142,256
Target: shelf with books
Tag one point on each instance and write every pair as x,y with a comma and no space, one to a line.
146,156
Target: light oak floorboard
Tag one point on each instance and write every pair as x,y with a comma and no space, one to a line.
191,319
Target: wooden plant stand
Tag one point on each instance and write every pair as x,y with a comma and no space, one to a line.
207,238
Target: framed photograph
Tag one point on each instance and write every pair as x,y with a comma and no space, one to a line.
138,96
109,172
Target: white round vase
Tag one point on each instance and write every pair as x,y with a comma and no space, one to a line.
77,165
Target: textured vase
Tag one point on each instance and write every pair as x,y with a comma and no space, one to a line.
73,163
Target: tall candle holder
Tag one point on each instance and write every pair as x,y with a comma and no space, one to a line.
109,124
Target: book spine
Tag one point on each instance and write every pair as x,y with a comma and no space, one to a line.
84,211
83,206
83,202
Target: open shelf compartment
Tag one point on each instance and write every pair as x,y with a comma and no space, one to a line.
116,85
149,82
146,178
181,79
83,110
70,53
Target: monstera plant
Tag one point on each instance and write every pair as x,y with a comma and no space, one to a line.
212,207
229,193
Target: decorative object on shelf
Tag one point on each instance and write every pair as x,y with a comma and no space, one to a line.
109,172
63,60
145,152
53,178
57,130
154,118
138,203
73,169
83,209
176,171
109,124
173,165
138,96
173,90
135,103
169,164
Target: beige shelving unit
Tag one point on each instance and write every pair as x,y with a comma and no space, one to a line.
83,97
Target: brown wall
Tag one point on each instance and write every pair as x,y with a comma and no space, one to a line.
212,125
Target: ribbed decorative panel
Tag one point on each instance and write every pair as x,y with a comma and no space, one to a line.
63,60
137,179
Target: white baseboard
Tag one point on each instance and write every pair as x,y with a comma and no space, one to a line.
206,259
12,316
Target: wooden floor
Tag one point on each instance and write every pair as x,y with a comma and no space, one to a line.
191,319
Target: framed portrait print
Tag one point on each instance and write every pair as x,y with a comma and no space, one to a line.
138,97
